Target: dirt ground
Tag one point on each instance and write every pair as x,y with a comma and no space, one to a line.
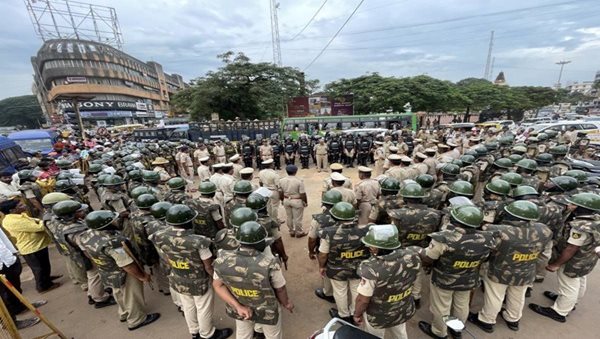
68,309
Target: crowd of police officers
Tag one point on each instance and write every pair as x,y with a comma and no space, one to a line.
445,210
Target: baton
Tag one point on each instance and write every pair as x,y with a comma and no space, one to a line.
139,265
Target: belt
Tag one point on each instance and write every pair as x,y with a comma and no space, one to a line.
292,196
272,189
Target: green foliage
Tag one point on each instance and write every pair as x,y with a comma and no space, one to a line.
242,89
21,111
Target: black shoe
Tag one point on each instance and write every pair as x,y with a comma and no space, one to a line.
150,318
426,328
454,334
550,295
528,292
513,325
333,312
22,324
108,302
474,318
258,335
90,300
319,293
547,312
418,303
196,336
539,280
222,333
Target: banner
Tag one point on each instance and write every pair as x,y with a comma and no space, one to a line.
343,105
297,107
319,105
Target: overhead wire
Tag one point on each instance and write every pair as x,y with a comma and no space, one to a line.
309,21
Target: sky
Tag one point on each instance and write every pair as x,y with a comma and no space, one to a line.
444,39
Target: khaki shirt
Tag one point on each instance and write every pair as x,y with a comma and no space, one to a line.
347,195
321,149
266,152
219,151
269,178
402,148
236,171
386,147
226,186
379,154
327,185
203,173
367,191
292,187
201,153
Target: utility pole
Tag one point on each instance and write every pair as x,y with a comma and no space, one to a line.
487,72
562,64
275,33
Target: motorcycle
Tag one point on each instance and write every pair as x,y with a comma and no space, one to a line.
339,329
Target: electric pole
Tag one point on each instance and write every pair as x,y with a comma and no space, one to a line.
275,33
487,72
562,64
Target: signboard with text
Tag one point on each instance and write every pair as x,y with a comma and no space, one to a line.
298,107
343,105
101,105
321,106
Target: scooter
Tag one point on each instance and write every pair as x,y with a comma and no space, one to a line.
456,325
339,329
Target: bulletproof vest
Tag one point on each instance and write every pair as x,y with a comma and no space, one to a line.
585,259
324,220
304,149
204,224
97,244
365,146
229,150
289,148
531,180
346,251
349,145
493,210
276,148
247,150
559,168
458,268
334,145
177,197
68,249
246,272
392,302
142,247
53,224
385,204
267,222
513,262
187,268
415,223
155,226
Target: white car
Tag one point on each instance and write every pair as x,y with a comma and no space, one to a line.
564,125
358,131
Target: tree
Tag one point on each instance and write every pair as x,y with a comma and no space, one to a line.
21,111
242,89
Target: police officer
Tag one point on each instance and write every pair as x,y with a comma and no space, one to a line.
526,168
456,255
176,194
387,202
334,148
237,166
511,268
219,152
241,191
247,151
191,269
385,303
276,145
252,294
152,179
118,270
226,182
258,204
247,174
270,179
338,181
349,150
290,149
208,220
113,198
293,193
495,198
204,169
364,149
367,193
265,151
575,256
340,253
335,167
134,179
379,157
321,151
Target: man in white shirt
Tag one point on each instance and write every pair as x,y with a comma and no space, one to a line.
9,185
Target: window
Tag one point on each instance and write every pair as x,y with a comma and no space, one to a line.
588,126
70,47
92,48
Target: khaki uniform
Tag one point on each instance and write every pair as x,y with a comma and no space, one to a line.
431,165
379,157
266,152
270,179
292,188
200,153
216,179
203,173
226,186
321,154
219,152
347,195
327,185
185,166
367,193
236,171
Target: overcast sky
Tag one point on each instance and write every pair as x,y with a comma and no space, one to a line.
446,39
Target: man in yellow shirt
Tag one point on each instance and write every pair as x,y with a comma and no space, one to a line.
31,239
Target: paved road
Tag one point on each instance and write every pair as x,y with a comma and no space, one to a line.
69,311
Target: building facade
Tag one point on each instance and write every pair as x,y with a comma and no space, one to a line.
113,87
584,87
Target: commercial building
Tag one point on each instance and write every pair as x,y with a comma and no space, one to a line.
112,87
584,87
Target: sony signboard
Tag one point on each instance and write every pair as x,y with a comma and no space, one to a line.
101,105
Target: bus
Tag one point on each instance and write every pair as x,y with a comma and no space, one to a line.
10,153
34,140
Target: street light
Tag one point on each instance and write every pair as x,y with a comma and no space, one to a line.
562,64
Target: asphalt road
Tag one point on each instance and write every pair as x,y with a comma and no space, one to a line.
68,309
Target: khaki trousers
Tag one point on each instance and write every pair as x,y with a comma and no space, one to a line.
130,301
221,159
77,274
340,294
175,297
273,205
364,209
542,261
396,332
95,286
244,329
378,167
569,291
418,285
294,210
327,288
493,297
198,312
321,162
446,302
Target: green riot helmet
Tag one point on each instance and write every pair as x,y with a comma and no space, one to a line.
521,191
242,187
519,149
558,150
527,164
457,162
135,175
450,169
176,183
159,209
145,201
461,187
481,151
331,197
551,133
503,163
343,211
64,175
472,153
467,159
101,178
412,190
565,183
498,186
98,220
151,177
523,209
113,180
491,145
382,236
514,179
588,201
390,185
136,192
251,233
505,141
63,185
542,136
66,208
425,180
63,164
180,215
95,168
256,202
54,197
544,158
515,158
241,215
25,174
129,168
467,215
207,188
579,175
